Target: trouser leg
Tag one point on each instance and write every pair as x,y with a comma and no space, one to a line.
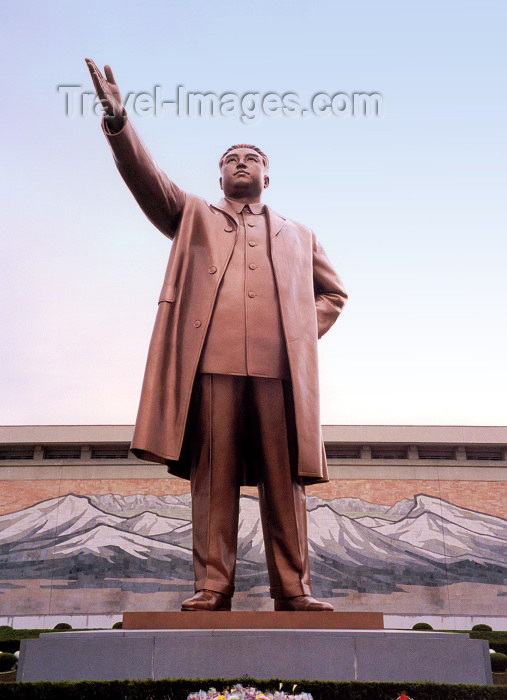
215,480
282,497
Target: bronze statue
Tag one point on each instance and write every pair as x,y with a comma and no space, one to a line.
230,393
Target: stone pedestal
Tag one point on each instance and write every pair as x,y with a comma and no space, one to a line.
304,653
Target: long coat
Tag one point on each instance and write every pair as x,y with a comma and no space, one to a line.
311,296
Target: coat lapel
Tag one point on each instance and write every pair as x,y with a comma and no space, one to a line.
275,222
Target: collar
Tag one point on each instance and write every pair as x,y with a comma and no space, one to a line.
255,207
276,222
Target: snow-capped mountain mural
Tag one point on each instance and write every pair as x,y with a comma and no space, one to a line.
89,541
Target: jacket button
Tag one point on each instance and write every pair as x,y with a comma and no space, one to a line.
249,224
251,294
197,323
252,244
212,270
228,229
252,266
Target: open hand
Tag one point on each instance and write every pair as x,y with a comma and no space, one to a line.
108,94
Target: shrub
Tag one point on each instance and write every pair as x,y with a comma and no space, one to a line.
422,626
3,628
482,628
498,662
62,626
8,661
118,626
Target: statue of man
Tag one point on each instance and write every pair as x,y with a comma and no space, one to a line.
230,394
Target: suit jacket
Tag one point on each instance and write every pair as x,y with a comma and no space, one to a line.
311,296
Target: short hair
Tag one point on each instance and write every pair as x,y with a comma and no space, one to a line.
245,145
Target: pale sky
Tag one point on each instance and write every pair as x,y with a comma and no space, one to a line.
410,207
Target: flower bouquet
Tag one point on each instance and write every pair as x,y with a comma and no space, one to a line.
238,692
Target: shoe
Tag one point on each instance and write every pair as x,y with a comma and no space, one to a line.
302,603
207,600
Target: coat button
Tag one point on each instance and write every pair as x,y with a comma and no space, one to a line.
212,270
251,294
252,266
197,324
228,229
249,224
252,244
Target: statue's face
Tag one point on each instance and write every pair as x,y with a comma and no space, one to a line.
243,174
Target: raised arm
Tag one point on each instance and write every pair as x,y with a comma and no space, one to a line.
330,295
160,199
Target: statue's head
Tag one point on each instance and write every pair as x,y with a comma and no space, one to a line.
244,172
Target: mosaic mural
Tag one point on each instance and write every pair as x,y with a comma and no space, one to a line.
103,553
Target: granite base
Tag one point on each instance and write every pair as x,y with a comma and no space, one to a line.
318,654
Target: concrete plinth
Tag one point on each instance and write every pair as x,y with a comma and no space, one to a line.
319,654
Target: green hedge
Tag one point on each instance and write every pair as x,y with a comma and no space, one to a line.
10,639
7,634
10,634
498,662
8,661
179,689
